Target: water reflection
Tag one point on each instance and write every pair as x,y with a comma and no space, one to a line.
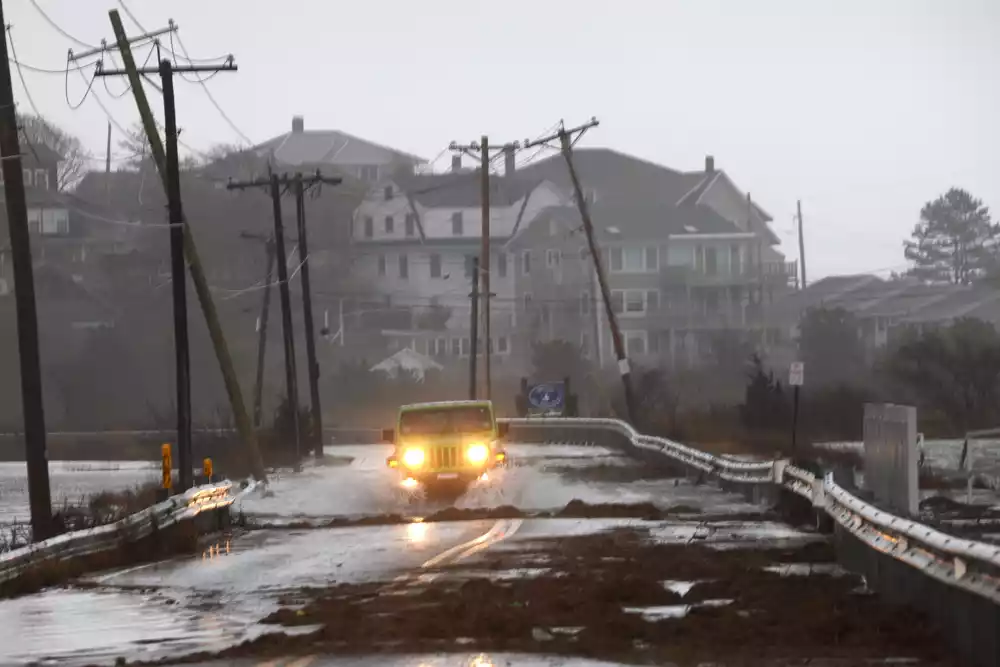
216,550
416,532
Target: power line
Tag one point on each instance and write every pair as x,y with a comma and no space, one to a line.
20,74
59,29
211,97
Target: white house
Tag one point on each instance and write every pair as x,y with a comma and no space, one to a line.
415,238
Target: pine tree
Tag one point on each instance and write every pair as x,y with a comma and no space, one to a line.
955,240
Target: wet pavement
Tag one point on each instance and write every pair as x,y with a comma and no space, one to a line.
216,599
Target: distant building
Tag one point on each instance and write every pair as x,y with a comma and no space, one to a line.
336,151
415,238
686,253
881,308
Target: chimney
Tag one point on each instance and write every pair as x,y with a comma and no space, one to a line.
456,163
298,124
709,164
508,160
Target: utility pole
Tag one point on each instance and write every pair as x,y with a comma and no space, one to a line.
107,169
39,493
243,424
474,328
307,315
182,357
258,389
566,140
485,158
274,184
802,246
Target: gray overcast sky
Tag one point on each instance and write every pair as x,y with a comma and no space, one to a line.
864,110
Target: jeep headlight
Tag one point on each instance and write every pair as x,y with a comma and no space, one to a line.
413,457
477,453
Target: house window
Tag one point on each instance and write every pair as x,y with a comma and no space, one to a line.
585,344
652,258
469,261
369,227
633,259
735,265
368,172
545,316
381,265
465,347
632,301
387,193
502,265
42,178
404,266
35,220
652,300
435,266
503,345
526,262
390,225
27,178
585,303
55,222
635,302
456,223
635,343
552,258
441,347
527,301
410,223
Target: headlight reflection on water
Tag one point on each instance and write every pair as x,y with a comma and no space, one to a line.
416,531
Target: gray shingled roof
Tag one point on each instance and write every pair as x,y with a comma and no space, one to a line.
617,175
462,189
643,221
331,147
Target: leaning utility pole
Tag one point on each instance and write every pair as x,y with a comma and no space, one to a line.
258,388
39,493
274,184
802,246
485,158
243,425
474,329
307,314
566,140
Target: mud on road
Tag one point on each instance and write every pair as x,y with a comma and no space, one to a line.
584,596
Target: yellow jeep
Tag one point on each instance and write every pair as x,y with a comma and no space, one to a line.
448,444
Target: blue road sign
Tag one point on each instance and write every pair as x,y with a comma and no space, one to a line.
548,397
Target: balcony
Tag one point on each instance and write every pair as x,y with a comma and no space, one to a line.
725,276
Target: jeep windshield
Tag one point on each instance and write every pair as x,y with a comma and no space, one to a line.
445,421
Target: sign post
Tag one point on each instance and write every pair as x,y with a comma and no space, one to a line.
796,378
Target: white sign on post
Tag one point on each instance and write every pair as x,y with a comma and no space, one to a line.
796,374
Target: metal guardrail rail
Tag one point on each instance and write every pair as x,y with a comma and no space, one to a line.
966,564
132,528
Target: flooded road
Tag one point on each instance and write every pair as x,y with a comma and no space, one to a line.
230,593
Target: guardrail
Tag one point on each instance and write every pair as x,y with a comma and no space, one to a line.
964,564
133,528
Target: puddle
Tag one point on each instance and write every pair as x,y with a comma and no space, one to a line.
807,569
674,610
680,588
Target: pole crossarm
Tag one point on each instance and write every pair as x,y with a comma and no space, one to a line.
226,67
106,48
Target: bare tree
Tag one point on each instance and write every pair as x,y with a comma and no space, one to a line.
37,130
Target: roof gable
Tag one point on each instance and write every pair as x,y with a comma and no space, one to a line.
331,147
